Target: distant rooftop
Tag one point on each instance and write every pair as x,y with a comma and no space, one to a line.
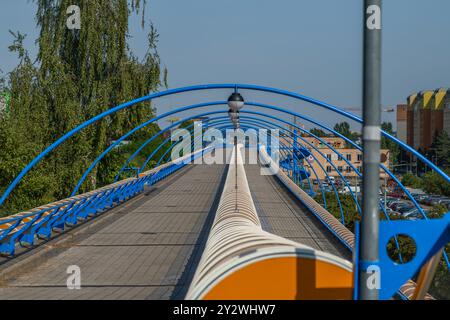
429,99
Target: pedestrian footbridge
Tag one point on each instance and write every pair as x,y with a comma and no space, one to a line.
191,230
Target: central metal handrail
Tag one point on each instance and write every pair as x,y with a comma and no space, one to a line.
237,244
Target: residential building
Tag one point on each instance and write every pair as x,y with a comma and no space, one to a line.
325,155
426,114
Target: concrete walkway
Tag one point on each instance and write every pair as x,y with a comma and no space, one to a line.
146,249
282,214
149,247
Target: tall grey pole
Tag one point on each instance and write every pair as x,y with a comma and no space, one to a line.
369,275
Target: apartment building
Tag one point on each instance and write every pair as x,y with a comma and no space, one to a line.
425,115
326,158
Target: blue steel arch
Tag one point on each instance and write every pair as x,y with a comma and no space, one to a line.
211,122
340,135
236,87
225,120
207,87
246,125
255,113
255,122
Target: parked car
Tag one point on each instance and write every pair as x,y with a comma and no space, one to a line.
446,203
430,199
391,212
393,204
412,214
396,194
404,209
437,200
420,197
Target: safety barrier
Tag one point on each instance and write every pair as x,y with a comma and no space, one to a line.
26,227
328,220
241,261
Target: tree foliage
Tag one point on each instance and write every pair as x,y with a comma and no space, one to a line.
388,144
319,132
433,183
348,207
412,181
344,129
77,75
442,149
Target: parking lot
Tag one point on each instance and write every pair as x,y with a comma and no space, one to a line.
398,203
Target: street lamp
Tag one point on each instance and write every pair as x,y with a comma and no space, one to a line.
236,102
234,115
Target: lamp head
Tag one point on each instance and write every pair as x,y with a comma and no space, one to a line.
236,102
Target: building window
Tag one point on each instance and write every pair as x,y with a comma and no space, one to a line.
329,156
340,158
349,157
349,169
329,169
340,168
360,157
360,168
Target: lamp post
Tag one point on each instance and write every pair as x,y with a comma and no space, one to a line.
368,263
236,103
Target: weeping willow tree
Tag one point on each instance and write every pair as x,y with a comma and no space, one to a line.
77,75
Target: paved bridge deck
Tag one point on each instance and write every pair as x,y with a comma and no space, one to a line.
142,250
149,247
284,215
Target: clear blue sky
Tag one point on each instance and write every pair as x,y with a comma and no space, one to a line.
308,46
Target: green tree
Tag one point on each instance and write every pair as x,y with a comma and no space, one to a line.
186,124
348,207
318,132
434,183
412,181
344,129
388,144
78,74
442,148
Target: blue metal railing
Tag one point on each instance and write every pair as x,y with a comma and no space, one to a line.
40,223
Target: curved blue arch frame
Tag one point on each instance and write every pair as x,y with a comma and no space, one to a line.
307,132
235,87
312,168
244,111
152,138
328,177
314,122
211,122
251,122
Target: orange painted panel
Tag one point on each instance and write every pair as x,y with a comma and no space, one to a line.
285,278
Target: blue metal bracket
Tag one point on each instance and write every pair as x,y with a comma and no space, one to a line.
430,236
